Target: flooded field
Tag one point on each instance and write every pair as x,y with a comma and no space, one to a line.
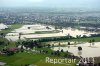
40,31
87,50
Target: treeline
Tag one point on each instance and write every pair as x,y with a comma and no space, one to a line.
95,35
72,24
55,38
68,37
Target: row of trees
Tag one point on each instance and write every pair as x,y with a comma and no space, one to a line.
2,35
92,42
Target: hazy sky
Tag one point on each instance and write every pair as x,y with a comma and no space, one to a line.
51,3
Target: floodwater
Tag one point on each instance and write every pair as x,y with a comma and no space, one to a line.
87,50
33,28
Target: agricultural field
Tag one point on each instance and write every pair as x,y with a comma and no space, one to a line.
23,36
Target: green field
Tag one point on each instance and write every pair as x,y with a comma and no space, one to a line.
97,39
44,32
28,58
10,28
47,32
38,59
22,58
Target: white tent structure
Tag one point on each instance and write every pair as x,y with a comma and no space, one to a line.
2,26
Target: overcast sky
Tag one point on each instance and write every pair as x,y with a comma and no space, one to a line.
51,3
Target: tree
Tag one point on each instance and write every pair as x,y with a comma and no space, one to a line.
20,35
47,27
79,48
2,43
93,40
60,28
2,35
90,42
68,35
57,53
78,36
48,45
56,27
59,45
52,45
22,49
62,50
68,43
75,43
29,27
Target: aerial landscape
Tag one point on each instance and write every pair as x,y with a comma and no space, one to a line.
49,33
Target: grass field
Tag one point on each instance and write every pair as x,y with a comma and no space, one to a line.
97,39
10,28
23,58
44,32
47,32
